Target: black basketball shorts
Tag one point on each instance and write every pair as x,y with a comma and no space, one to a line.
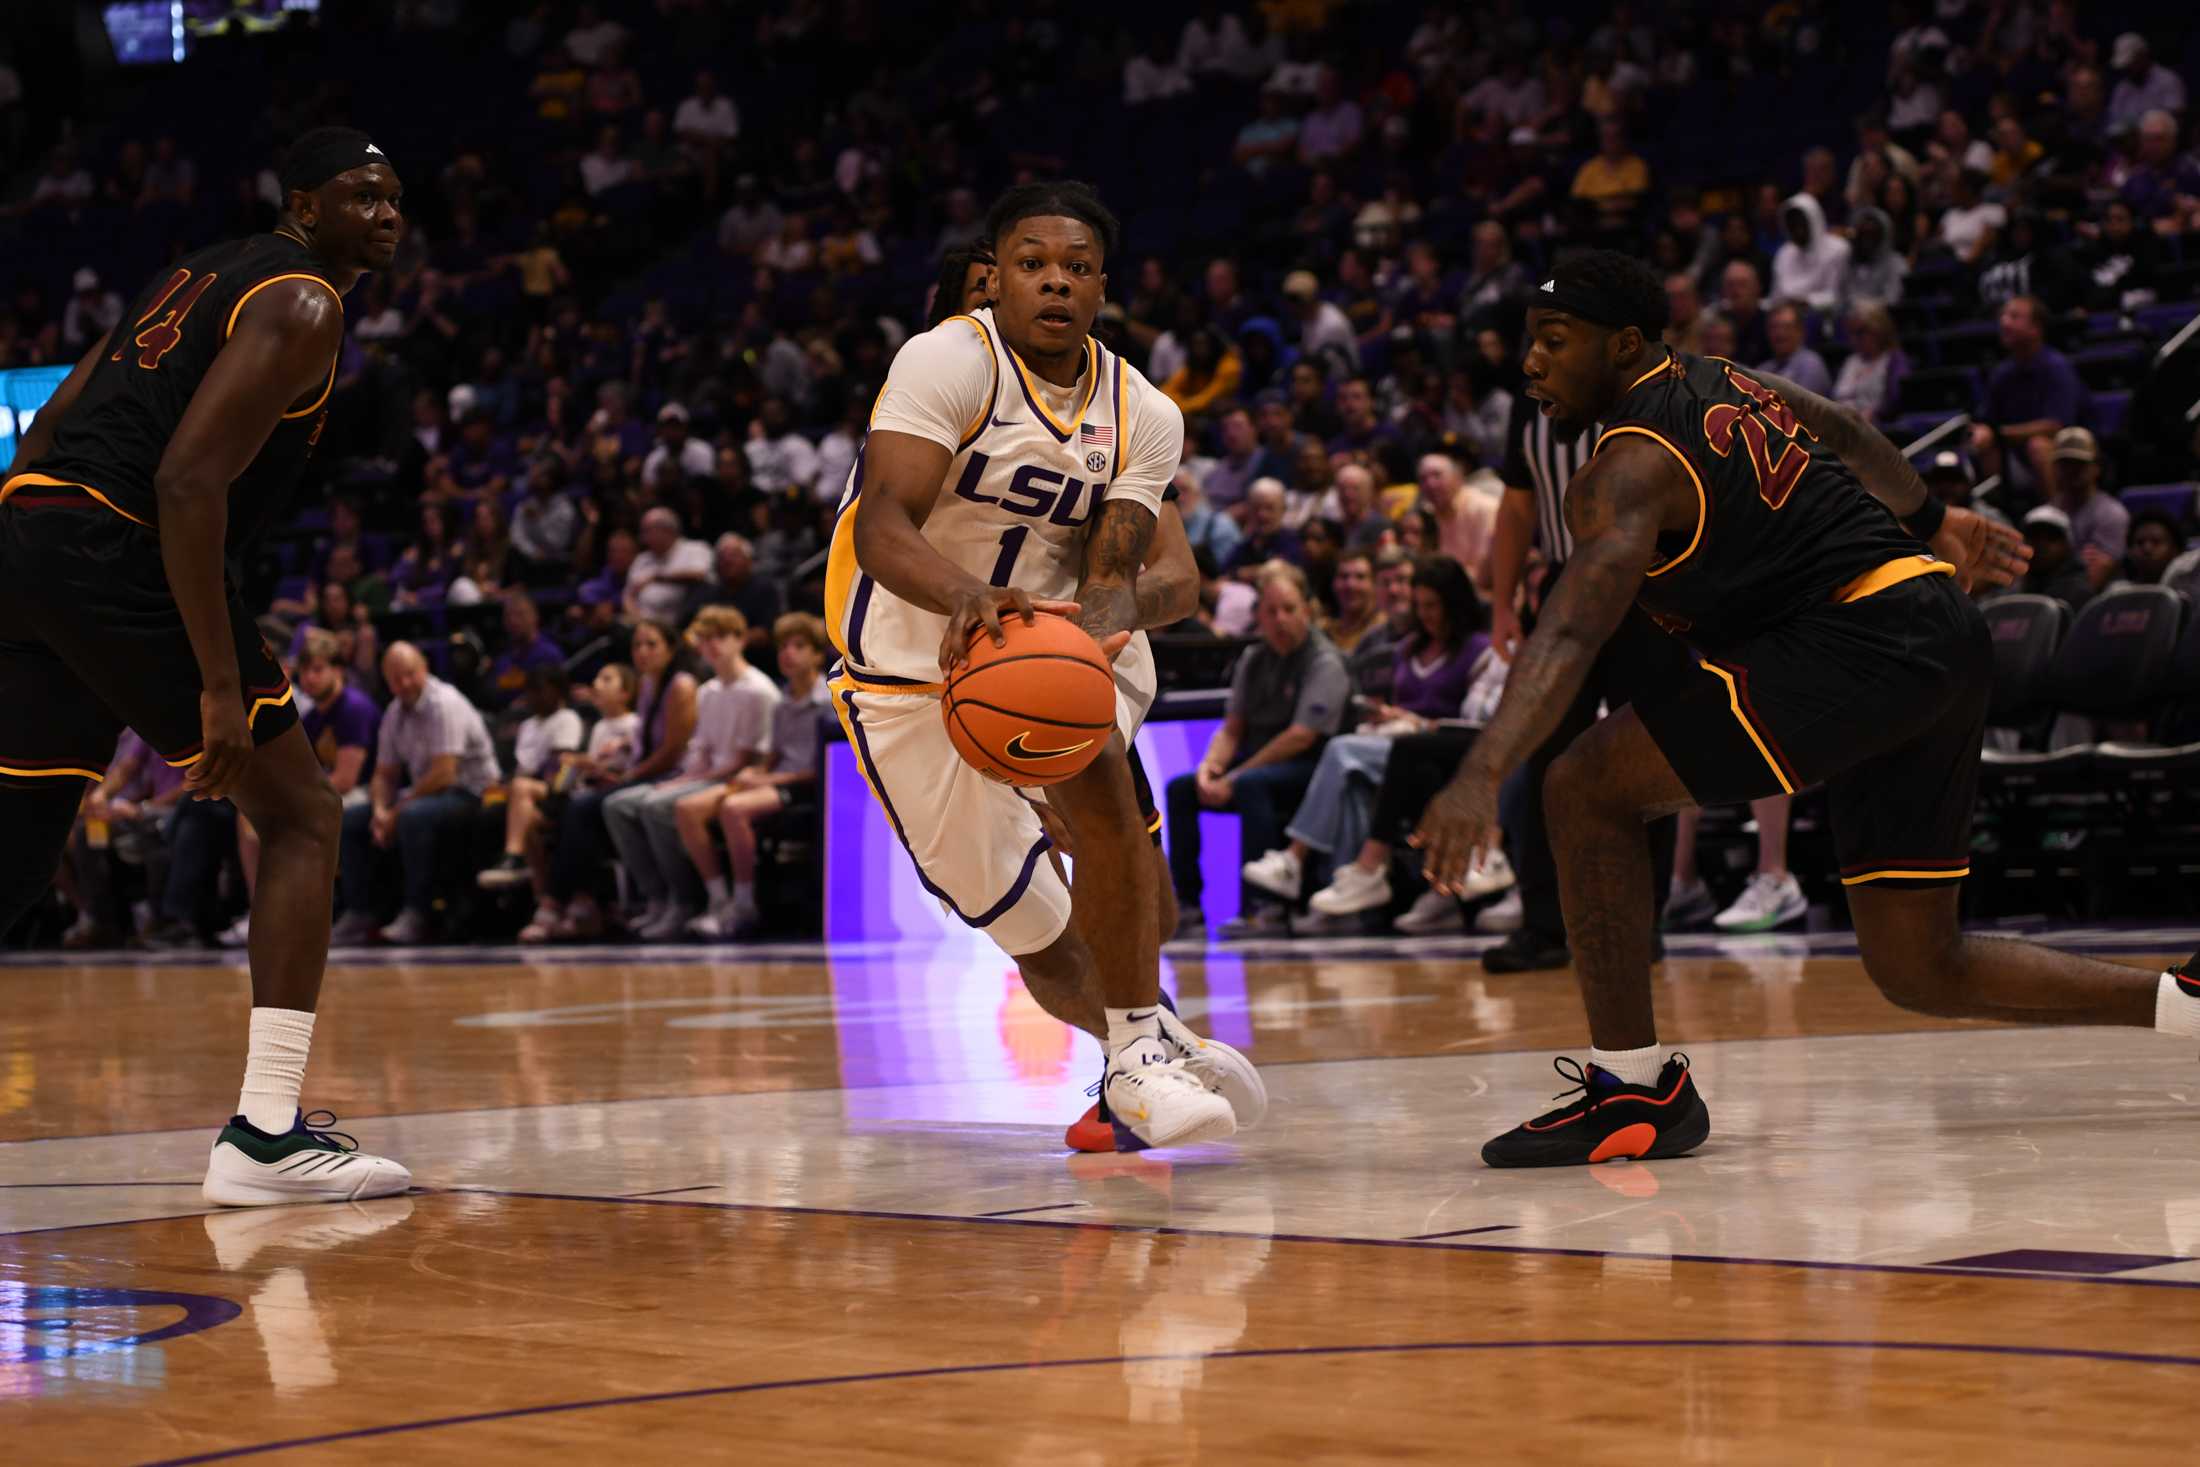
91,641
1880,698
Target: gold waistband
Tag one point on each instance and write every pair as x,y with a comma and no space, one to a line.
1893,573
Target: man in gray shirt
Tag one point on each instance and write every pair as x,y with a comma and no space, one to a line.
1289,693
432,763
2100,526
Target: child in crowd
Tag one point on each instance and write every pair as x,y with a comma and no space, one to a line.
610,752
551,733
733,721
787,776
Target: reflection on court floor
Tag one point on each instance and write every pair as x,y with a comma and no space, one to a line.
711,1200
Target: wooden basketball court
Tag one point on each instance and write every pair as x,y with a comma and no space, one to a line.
805,1207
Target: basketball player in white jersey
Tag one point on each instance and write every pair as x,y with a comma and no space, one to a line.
1014,465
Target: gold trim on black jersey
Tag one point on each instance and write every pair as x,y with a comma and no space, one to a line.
1703,503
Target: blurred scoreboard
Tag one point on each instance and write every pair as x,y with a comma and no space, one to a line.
23,391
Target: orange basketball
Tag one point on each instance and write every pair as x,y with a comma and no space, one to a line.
1036,709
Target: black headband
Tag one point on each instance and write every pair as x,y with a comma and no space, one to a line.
324,154
1588,301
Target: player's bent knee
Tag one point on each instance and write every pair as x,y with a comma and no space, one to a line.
1912,949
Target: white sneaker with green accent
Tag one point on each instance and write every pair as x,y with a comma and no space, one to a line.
307,1163
1766,903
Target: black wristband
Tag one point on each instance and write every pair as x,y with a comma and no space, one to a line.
1924,521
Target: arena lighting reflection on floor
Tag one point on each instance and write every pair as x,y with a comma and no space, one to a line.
956,1013
873,894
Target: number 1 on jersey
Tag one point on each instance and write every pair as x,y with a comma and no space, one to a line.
1012,545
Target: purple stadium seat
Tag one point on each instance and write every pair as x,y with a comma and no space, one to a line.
2174,500
2109,412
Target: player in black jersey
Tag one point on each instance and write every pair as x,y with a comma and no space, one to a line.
1821,592
160,456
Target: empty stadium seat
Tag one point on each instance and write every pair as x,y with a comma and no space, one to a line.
2026,630
2118,660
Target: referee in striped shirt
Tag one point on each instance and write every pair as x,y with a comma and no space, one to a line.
1639,657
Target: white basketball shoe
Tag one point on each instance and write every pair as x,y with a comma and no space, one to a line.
1217,1066
307,1163
1160,1101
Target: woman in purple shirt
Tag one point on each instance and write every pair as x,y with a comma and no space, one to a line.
1437,661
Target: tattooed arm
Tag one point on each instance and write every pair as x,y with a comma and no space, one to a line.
1985,553
1878,465
1168,583
1115,547
1615,506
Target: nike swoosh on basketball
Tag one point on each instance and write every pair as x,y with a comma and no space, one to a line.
1017,748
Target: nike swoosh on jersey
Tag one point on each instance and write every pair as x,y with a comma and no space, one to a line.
1003,423
1017,748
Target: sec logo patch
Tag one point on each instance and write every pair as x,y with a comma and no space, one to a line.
1095,461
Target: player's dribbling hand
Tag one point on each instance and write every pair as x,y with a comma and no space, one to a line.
225,744
982,607
1985,553
1459,825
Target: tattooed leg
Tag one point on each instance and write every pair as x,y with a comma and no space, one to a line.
1595,800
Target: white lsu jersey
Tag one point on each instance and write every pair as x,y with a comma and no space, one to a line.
1032,464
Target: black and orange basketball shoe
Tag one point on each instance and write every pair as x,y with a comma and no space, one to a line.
1611,1121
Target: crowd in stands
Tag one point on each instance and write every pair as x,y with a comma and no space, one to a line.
590,431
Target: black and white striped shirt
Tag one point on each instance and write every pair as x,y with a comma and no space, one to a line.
1537,458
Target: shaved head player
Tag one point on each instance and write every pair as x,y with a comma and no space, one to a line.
1796,552
166,451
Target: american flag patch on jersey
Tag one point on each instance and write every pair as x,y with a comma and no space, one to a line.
1102,436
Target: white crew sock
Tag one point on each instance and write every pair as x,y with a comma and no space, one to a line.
1128,1026
275,1068
744,897
720,893
1632,1066
2176,1011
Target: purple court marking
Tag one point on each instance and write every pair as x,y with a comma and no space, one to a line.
1161,1230
35,1316
1019,1211
1460,1232
1283,1352
675,1191
2062,1260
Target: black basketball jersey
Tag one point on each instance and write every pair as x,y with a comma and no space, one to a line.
1781,525
112,440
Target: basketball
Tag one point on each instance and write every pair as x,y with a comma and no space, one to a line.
1034,710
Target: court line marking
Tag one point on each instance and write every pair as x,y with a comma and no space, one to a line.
1044,1127
1171,1230
1043,1207
672,1191
1459,1232
1277,1352
48,1186
1334,1239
